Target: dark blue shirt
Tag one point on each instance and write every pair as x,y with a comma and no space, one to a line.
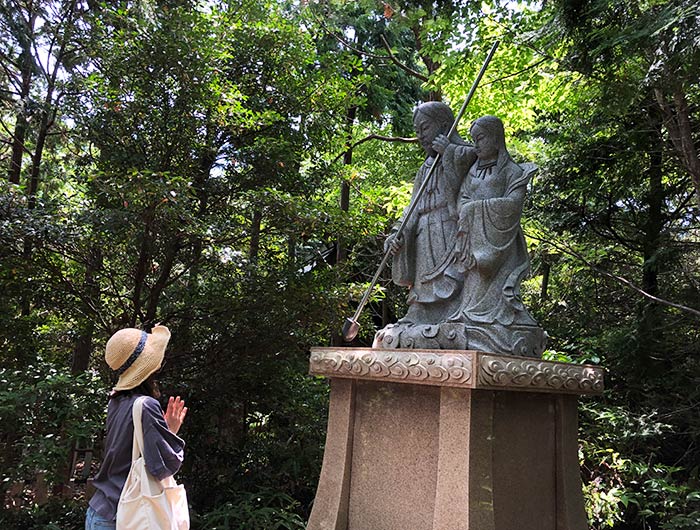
163,450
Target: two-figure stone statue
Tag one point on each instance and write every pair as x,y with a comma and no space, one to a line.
462,254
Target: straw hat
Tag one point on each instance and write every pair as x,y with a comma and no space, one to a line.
134,354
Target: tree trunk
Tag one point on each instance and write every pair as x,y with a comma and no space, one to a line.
649,336
144,258
83,344
255,224
18,147
166,268
21,124
185,339
689,153
341,249
33,188
546,268
48,113
676,119
83,348
207,158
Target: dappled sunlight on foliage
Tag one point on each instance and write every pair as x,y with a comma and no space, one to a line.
231,170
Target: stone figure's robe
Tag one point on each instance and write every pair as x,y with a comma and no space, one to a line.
490,247
463,257
423,262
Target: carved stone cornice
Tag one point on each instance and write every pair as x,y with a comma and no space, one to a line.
498,371
446,368
456,368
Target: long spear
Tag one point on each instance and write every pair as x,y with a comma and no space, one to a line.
352,326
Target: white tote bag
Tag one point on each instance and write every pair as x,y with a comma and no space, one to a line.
145,502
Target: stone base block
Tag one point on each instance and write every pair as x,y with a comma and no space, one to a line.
426,440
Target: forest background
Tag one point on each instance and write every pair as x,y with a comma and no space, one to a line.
231,169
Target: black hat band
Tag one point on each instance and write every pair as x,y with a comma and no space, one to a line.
132,358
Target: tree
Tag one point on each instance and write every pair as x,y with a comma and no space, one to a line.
617,199
193,163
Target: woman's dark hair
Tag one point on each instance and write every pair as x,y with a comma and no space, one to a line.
148,388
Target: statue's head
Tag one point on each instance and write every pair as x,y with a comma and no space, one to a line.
431,119
489,137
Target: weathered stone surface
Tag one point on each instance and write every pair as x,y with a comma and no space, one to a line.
516,373
462,254
456,368
423,255
425,455
332,500
395,455
418,367
444,336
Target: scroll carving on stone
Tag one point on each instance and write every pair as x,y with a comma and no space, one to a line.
465,369
450,369
524,373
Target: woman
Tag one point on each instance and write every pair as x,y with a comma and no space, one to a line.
136,357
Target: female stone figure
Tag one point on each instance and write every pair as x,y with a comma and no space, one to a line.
490,248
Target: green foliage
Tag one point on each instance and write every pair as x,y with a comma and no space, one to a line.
622,486
56,515
197,178
43,411
261,510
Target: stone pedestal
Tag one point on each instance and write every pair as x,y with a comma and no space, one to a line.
450,440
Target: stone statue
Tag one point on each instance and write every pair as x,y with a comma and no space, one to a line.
421,260
463,254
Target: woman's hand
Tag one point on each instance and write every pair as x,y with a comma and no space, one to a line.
175,414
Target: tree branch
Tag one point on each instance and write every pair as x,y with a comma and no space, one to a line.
398,63
369,137
619,279
347,44
390,57
515,74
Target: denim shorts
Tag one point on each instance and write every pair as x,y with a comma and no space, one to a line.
94,521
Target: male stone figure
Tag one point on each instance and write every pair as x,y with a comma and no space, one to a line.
422,258
463,254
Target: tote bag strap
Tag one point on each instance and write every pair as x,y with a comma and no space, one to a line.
137,410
